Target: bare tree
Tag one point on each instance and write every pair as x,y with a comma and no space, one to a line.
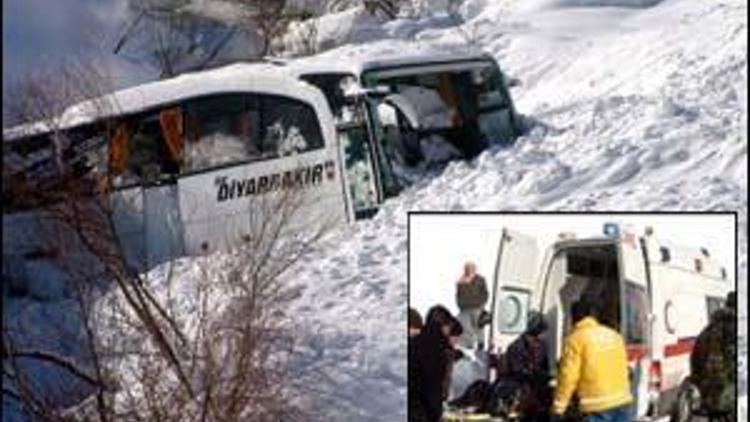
180,35
224,359
267,17
169,36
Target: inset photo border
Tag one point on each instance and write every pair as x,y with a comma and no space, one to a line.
480,282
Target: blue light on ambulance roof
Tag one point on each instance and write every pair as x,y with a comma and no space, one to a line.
611,229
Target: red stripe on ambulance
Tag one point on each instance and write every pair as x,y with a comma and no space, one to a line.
683,346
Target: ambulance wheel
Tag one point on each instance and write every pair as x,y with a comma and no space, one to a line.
684,405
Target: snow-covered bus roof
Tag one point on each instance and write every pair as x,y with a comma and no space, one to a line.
357,58
241,77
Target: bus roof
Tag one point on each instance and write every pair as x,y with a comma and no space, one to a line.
358,58
277,77
241,77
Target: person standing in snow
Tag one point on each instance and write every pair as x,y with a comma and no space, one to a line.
471,296
431,357
713,362
595,366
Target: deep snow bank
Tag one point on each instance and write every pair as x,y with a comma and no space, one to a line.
640,109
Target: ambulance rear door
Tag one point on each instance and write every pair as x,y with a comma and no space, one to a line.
635,316
514,285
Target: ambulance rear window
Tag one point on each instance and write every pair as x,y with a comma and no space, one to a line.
636,311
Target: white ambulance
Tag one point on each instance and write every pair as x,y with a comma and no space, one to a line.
659,297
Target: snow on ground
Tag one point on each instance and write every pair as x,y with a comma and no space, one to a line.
638,108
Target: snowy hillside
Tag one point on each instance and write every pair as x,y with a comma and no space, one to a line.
641,108
637,108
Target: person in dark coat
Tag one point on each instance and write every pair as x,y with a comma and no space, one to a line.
527,363
471,297
713,362
431,357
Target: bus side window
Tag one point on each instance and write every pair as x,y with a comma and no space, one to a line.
289,127
221,129
85,153
235,128
146,148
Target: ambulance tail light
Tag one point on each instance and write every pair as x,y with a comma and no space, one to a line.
655,376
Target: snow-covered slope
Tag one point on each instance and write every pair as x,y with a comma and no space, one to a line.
640,108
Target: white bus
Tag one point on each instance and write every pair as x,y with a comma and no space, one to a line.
187,160
659,297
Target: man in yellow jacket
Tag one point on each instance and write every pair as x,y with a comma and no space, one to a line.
595,365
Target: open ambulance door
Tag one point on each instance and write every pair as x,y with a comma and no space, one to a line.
514,285
635,325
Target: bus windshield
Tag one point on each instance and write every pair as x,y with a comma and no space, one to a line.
440,112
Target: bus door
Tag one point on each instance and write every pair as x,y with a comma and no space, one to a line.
368,171
358,155
144,162
635,320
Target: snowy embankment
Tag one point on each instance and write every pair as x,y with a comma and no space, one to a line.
638,108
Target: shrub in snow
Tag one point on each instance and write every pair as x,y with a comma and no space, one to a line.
197,339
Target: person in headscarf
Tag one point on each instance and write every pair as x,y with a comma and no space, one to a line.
431,357
471,297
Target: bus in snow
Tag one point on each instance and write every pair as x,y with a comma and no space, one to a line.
399,104
186,161
658,296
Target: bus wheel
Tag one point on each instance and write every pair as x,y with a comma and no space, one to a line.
684,405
